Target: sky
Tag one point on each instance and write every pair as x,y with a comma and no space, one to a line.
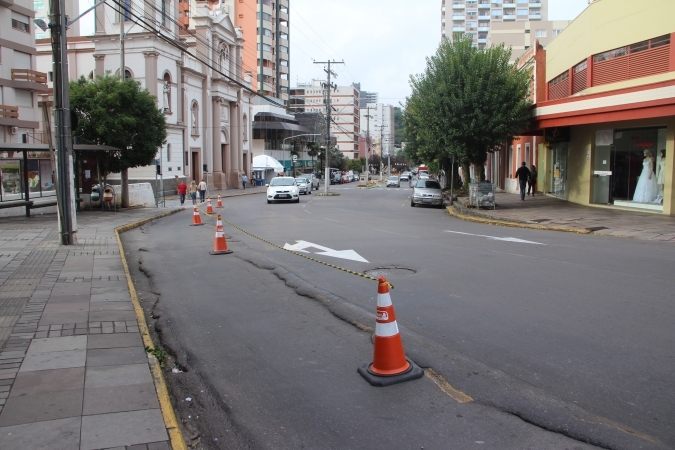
382,42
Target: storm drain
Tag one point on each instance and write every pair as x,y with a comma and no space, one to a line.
390,271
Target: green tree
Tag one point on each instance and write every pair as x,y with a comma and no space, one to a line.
356,164
466,102
313,150
121,114
336,159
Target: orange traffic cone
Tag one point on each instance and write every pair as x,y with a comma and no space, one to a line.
196,218
209,206
389,366
220,202
220,244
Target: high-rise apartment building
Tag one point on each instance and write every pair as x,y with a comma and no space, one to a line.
345,124
515,23
264,27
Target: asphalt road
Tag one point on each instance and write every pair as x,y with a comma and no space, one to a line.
571,333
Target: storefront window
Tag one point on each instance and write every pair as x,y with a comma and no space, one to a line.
40,177
629,169
559,169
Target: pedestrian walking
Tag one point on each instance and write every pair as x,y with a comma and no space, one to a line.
523,174
244,179
182,190
193,191
202,190
532,181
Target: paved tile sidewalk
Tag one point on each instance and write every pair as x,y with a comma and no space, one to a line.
550,211
73,370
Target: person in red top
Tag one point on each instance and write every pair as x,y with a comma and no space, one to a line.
182,190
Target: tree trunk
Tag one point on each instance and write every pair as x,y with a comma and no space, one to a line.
124,176
466,173
478,172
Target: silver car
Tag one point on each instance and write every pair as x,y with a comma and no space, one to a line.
282,189
393,181
427,192
304,185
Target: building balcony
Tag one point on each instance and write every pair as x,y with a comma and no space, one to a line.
457,6
484,29
535,4
9,112
458,29
482,41
509,17
535,16
29,79
457,17
484,6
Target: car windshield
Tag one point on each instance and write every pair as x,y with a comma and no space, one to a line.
428,184
282,182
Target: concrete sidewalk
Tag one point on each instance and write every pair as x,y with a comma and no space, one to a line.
74,373
545,212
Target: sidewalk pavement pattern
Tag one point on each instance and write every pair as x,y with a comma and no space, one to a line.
546,212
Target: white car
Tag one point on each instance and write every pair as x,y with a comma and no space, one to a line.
304,185
393,181
423,176
405,176
283,189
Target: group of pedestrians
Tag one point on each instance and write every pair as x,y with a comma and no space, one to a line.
527,178
184,190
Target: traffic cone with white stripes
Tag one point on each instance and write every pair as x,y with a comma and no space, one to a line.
196,218
389,366
209,206
220,202
220,244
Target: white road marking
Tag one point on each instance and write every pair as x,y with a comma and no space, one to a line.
300,246
495,238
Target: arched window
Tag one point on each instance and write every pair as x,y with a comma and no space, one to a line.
168,152
167,92
127,74
195,118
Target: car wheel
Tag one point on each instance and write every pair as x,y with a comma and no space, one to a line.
269,201
298,200
412,204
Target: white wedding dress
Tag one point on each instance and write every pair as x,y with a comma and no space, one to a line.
646,189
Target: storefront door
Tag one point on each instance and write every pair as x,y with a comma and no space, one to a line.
559,170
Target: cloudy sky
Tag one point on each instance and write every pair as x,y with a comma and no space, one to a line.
382,42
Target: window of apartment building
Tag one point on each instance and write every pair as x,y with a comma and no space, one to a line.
283,48
471,25
20,22
496,13
471,12
482,35
284,63
38,5
535,12
21,60
540,33
458,14
40,35
471,2
23,97
522,2
522,12
283,36
265,47
266,16
556,32
484,24
266,32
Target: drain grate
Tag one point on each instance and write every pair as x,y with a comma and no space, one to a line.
390,271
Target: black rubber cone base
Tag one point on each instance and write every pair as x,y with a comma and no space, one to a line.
225,252
196,224
414,372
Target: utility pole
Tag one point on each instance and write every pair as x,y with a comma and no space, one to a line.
67,219
382,127
327,87
367,171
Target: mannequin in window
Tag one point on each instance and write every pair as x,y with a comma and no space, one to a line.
646,189
661,173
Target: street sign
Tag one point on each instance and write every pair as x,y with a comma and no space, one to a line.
295,157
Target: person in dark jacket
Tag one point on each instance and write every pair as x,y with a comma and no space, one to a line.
532,182
523,174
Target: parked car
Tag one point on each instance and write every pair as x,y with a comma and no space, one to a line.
335,178
345,178
427,192
304,185
424,176
282,189
393,181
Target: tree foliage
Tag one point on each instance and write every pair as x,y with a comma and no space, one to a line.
121,114
466,102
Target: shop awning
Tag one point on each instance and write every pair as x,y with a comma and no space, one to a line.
267,163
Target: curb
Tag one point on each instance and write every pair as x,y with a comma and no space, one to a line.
168,414
505,223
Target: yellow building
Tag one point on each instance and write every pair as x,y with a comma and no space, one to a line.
608,118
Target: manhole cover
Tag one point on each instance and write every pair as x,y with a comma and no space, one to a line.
390,272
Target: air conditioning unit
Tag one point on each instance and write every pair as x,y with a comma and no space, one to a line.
13,130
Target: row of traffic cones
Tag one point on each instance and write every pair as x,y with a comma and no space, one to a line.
220,243
390,365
